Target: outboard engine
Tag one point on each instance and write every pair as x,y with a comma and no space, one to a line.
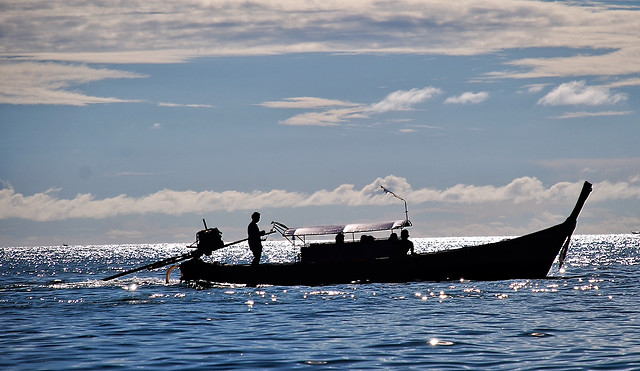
209,240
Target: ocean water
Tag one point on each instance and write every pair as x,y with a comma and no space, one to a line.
57,314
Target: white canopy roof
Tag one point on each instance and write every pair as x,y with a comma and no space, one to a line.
346,228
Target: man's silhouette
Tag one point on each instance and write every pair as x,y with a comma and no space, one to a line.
255,242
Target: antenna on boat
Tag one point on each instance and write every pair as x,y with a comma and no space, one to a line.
406,211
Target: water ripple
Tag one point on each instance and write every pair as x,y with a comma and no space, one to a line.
58,314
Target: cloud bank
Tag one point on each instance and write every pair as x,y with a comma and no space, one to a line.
167,31
157,31
47,206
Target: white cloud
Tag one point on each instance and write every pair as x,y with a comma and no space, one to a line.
578,93
624,82
52,83
403,100
163,104
400,100
307,102
618,62
573,115
47,206
426,126
534,88
332,117
468,98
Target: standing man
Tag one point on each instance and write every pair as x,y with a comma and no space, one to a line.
255,242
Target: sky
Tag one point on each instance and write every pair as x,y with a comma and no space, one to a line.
130,122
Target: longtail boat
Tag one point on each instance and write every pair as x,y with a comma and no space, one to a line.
368,260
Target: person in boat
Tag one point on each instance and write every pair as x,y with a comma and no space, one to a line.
404,245
340,238
255,241
366,239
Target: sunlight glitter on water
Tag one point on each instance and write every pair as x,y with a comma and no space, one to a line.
132,287
436,342
53,260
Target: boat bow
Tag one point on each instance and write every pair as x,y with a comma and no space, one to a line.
572,220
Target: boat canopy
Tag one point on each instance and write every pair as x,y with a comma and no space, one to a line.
345,228
300,234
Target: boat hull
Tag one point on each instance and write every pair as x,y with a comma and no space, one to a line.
529,256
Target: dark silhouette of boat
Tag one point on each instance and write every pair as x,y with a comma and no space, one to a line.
527,257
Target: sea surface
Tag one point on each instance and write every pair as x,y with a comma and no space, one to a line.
57,313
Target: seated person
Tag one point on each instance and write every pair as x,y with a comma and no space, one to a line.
404,245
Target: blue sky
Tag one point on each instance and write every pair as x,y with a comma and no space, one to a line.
130,124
